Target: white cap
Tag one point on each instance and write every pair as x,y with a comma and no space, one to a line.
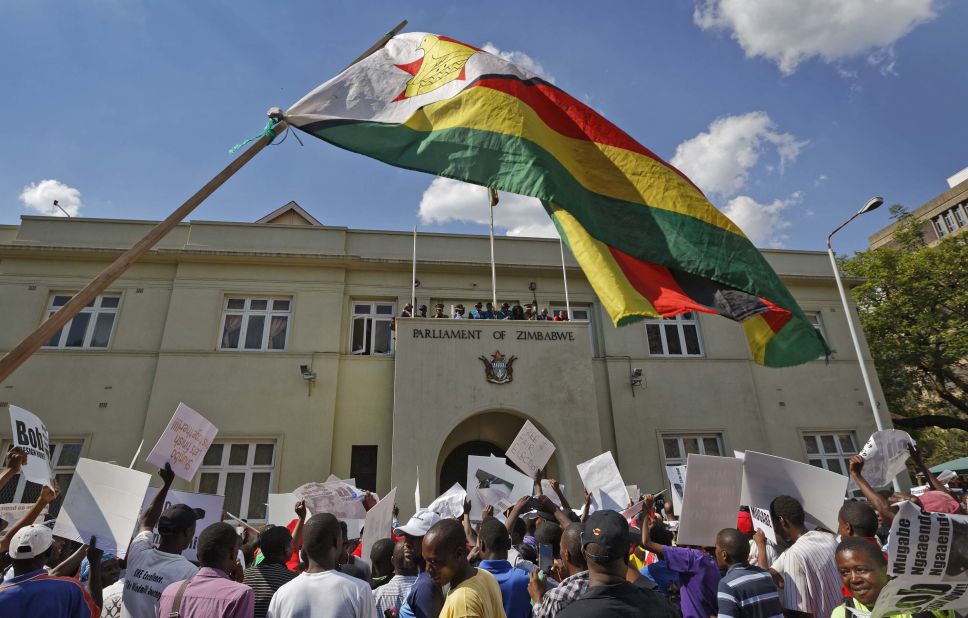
419,524
31,541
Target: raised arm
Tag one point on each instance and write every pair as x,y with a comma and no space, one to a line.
646,542
16,457
546,505
149,519
70,566
466,521
94,584
297,531
923,469
880,504
47,495
587,505
515,512
556,487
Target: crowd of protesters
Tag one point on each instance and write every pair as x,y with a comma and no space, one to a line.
539,558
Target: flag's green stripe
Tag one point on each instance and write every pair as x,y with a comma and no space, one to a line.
513,164
787,347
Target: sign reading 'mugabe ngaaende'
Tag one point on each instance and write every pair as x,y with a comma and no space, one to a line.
475,333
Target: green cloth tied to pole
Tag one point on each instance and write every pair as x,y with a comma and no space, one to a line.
268,131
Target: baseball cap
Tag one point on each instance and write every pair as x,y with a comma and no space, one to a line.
744,522
30,542
419,524
179,517
610,531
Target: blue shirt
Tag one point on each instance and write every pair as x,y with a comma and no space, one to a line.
748,591
425,600
514,587
660,574
38,594
477,315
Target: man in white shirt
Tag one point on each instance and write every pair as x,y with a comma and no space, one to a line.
322,591
811,579
150,570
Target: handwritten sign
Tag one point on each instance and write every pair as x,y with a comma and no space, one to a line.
677,479
884,456
30,434
210,504
339,498
104,500
928,544
530,450
378,522
763,521
13,511
604,482
711,499
920,595
184,442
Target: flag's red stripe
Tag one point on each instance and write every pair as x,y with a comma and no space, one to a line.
657,285
777,317
570,117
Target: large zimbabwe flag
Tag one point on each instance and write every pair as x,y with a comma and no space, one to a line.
650,243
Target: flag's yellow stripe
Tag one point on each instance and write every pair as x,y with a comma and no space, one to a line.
607,170
758,335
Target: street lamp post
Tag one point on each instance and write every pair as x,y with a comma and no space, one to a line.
871,204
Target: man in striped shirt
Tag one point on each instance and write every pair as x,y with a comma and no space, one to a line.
811,580
393,594
745,591
270,574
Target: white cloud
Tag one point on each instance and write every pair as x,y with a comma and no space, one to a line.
764,224
719,161
790,32
521,59
447,200
40,197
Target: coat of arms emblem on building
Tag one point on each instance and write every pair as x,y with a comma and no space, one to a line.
498,369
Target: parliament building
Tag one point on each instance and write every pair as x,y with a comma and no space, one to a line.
284,334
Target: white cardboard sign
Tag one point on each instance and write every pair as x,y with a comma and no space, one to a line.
604,482
184,442
530,450
30,434
338,498
105,501
491,481
450,503
762,521
280,509
551,493
884,456
820,491
927,544
210,503
677,479
379,519
13,511
711,500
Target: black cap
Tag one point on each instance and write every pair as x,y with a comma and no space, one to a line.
610,531
179,517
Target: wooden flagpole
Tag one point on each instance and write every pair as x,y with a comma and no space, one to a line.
32,342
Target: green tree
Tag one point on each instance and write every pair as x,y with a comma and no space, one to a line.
913,306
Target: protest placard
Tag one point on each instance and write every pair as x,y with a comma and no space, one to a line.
281,509
762,521
928,544
416,492
341,499
884,456
491,481
530,450
551,493
677,479
184,442
711,499
210,504
13,511
379,520
604,482
30,434
820,491
450,503
104,500
919,596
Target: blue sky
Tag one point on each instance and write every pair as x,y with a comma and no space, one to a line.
788,114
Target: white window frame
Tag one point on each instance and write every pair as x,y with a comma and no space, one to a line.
822,457
94,309
683,319
939,227
223,469
816,319
949,220
247,312
680,438
56,470
960,217
369,319
554,308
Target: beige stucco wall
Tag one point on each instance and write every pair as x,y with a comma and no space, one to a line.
414,406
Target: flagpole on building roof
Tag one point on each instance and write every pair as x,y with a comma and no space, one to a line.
492,200
413,275
42,334
564,277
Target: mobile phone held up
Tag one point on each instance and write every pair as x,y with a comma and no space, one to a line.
546,557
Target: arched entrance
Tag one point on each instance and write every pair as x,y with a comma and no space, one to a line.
454,468
489,433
